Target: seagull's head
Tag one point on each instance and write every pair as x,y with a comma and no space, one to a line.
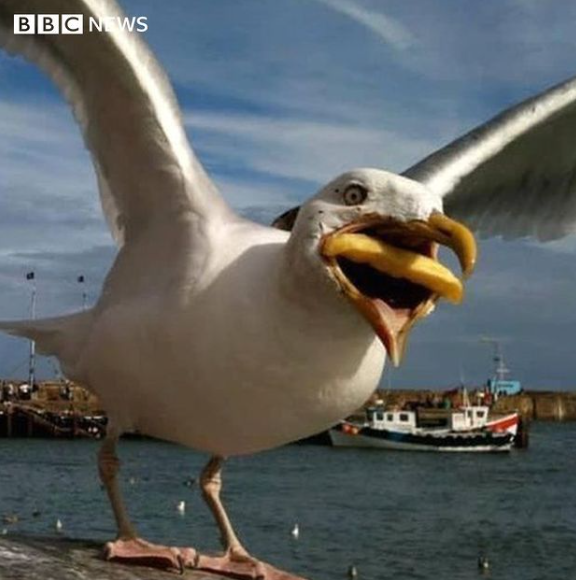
375,235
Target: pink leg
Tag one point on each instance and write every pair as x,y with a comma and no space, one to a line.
128,547
236,561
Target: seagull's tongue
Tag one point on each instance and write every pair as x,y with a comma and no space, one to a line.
396,262
388,323
395,318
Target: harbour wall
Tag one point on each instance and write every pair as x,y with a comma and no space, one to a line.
533,405
541,405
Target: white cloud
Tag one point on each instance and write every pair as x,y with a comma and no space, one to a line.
385,27
49,199
564,246
301,149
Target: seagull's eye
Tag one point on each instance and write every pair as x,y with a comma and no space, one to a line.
355,194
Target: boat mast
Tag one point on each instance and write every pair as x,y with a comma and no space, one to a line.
500,368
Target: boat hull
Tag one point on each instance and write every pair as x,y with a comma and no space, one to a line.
508,423
469,442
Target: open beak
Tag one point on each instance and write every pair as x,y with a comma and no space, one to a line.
390,271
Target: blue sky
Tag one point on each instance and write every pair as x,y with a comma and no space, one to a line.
278,97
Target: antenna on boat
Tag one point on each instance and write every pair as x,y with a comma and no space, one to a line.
500,368
462,374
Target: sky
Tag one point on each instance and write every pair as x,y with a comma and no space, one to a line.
280,96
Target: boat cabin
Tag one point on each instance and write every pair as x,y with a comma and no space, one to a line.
463,419
471,417
499,387
380,418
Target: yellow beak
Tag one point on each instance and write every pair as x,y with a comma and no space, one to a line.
394,249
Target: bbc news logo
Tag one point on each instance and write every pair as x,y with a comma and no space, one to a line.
74,23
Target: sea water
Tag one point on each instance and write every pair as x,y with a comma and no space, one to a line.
393,515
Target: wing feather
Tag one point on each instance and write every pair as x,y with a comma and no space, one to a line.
514,176
128,114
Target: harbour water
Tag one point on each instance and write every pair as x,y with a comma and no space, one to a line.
394,515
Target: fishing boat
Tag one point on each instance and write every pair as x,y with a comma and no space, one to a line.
468,429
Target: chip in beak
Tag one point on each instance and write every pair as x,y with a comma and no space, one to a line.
390,271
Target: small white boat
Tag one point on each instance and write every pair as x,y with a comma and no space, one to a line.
467,429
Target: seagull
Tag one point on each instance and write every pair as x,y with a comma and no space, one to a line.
483,563
231,337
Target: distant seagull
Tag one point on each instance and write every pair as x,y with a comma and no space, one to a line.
181,507
353,572
58,526
295,532
230,337
483,563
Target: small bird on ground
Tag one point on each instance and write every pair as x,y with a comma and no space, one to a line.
230,337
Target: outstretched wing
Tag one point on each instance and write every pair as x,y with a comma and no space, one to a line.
128,114
516,175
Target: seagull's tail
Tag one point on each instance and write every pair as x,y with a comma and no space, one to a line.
62,337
